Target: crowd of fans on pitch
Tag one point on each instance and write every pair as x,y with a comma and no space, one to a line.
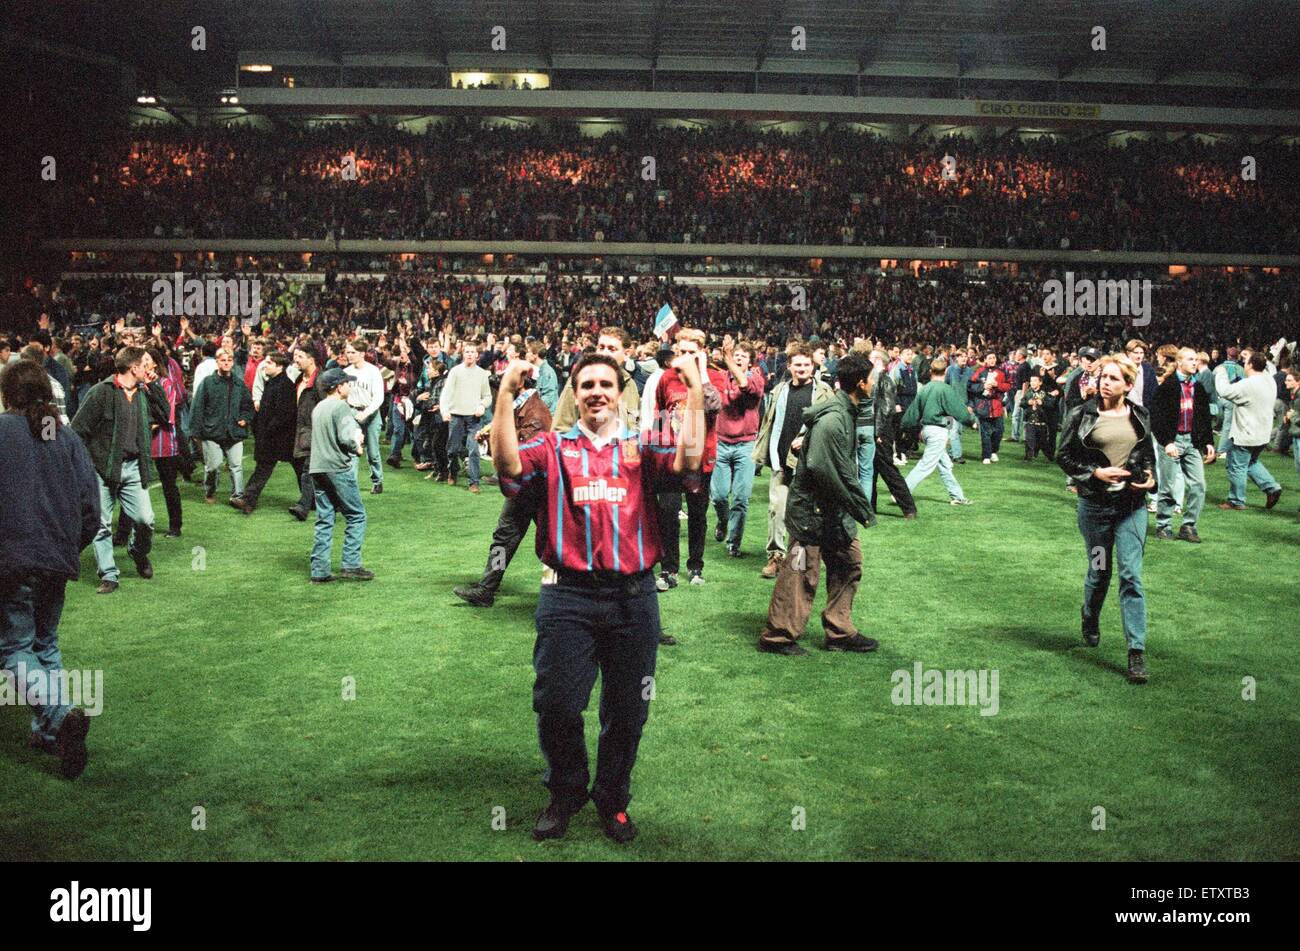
943,306
839,187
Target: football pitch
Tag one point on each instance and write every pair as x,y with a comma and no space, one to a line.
226,732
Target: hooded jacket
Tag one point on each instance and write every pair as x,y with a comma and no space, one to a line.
1079,459
826,502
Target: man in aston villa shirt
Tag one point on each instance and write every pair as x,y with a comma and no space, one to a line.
598,527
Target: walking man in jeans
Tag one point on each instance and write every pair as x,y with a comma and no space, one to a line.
49,492
935,404
465,398
1252,401
336,440
1180,422
113,421
733,472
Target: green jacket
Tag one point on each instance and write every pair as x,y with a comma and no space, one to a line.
218,407
97,424
934,403
826,499
763,445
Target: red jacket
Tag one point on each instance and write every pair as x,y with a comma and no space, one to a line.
975,390
670,400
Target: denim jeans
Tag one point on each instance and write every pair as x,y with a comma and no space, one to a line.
1243,462
234,457
730,488
1017,418
1189,468
991,435
1225,434
1295,451
1169,474
372,428
400,431
1113,532
138,508
866,457
30,608
954,439
337,492
935,457
461,442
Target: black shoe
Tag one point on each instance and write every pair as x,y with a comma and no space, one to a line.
1272,498
356,574
733,552
857,644
720,533
106,587
475,594
172,533
1137,667
377,488
789,650
666,581
961,461
70,743
1091,635
619,827
667,640
553,821
395,463
1164,534
325,580
297,513
1188,534
143,567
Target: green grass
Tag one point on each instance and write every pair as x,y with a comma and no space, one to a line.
223,690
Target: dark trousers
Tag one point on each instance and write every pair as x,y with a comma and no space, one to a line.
512,525
884,468
431,443
1036,440
670,530
307,489
169,469
583,629
261,476
991,435
906,441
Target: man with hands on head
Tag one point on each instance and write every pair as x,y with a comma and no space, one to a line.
598,528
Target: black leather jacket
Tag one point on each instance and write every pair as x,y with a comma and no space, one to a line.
1078,458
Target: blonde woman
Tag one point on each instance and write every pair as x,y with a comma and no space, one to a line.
1106,452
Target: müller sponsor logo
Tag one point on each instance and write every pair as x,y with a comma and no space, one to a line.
103,904
600,490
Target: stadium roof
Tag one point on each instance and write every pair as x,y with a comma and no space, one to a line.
1225,42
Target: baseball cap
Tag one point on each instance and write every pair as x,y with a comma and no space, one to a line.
332,378
1089,353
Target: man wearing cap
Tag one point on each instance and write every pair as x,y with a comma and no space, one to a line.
336,440
598,528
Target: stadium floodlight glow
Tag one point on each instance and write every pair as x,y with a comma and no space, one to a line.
144,100
256,67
